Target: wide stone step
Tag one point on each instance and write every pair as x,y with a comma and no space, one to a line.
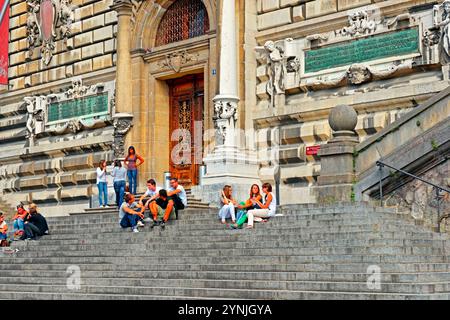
9,276
217,292
144,251
241,259
223,243
310,268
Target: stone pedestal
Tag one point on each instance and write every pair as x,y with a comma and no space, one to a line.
337,173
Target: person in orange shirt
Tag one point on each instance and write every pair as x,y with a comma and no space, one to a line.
3,228
131,162
19,219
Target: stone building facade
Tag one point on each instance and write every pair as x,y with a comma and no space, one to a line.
242,88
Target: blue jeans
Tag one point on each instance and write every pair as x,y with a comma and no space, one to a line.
18,224
129,220
132,180
102,190
119,188
3,236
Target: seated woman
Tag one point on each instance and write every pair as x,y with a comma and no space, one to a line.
130,213
268,208
19,220
255,195
228,204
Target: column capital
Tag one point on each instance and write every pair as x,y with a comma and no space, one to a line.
123,7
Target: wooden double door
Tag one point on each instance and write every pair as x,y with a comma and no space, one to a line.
186,128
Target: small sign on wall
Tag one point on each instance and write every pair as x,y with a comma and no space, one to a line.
312,150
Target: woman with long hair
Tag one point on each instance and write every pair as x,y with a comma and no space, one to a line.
101,184
267,208
131,162
255,195
228,204
120,175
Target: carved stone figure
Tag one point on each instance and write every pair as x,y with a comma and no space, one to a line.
358,73
78,90
36,107
359,24
225,117
442,21
46,20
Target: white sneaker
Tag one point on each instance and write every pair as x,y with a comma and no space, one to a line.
135,230
140,224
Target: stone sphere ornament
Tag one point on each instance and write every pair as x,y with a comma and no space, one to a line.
343,118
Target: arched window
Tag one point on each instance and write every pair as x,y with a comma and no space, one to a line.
183,20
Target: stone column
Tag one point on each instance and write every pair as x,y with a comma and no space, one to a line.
229,163
226,102
336,157
123,95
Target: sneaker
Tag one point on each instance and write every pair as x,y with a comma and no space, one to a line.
154,224
140,224
135,230
162,225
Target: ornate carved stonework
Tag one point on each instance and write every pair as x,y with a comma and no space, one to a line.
440,32
176,60
46,21
357,74
36,108
136,6
279,63
360,23
122,124
225,117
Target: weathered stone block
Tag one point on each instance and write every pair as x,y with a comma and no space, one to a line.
83,39
348,4
274,19
92,50
270,5
320,7
94,22
103,33
102,62
77,162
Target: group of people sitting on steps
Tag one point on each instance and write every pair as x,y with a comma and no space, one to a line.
258,207
28,225
161,204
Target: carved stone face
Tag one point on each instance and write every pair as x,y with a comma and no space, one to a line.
446,6
270,46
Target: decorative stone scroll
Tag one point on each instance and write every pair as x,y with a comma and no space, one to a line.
177,60
360,23
122,124
47,20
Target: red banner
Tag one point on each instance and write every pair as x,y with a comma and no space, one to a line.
312,151
4,35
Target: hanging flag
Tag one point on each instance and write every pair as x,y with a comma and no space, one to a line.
4,35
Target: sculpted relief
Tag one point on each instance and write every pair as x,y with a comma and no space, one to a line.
47,20
368,48
441,21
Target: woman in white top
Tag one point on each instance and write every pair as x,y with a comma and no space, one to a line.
268,208
101,184
228,204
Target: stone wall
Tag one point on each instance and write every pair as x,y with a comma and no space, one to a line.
89,47
293,116
56,167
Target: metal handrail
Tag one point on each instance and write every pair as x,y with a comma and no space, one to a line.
438,189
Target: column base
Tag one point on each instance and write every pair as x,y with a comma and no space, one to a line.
228,166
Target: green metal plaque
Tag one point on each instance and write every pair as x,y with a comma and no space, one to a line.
397,43
81,108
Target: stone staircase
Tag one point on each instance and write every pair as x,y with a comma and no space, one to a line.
312,252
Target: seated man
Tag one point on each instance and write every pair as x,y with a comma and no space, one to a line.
130,213
162,209
178,195
35,224
151,194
